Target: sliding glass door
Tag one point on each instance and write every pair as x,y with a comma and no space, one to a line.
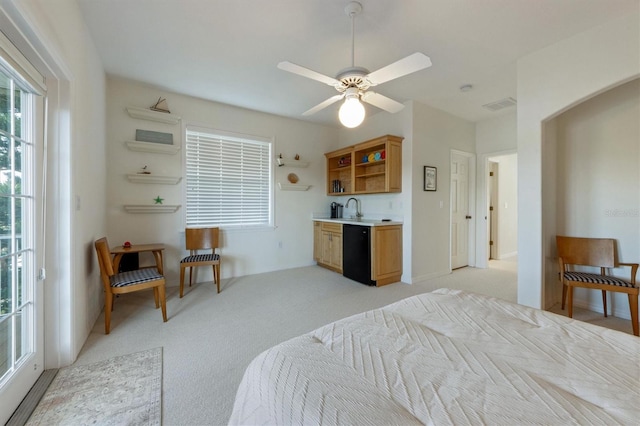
20,292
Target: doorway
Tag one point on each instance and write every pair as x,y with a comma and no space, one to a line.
501,243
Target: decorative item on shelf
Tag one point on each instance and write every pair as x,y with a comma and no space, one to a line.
292,177
372,158
161,105
365,159
377,156
292,162
344,161
158,200
126,244
336,186
144,171
383,154
154,137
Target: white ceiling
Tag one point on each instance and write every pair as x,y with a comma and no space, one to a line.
227,50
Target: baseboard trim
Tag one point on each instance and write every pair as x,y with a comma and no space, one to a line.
597,307
30,402
428,277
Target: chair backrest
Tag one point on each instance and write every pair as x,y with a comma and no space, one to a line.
104,260
201,238
600,252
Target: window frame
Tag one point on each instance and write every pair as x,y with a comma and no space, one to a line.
233,137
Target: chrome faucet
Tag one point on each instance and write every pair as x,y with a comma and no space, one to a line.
358,212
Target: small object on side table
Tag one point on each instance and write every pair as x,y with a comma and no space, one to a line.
126,244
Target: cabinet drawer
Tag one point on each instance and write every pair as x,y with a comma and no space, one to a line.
332,227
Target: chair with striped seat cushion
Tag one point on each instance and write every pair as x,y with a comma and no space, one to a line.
200,239
127,282
598,253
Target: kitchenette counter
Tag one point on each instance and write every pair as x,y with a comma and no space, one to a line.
361,222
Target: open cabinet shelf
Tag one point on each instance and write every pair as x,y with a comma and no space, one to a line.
147,114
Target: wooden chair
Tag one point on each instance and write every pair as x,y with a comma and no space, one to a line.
127,282
201,239
600,253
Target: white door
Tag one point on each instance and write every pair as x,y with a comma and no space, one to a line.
459,211
21,167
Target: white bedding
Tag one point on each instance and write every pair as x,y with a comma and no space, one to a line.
446,357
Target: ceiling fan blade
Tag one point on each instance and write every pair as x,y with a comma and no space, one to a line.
323,104
381,101
306,72
408,65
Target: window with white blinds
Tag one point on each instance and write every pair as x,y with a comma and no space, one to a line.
228,179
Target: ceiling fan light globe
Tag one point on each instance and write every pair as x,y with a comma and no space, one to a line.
351,113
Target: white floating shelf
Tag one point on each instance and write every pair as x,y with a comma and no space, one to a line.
285,162
293,187
156,179
151,208
157,148
147,114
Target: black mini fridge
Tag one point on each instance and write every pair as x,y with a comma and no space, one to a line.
356,253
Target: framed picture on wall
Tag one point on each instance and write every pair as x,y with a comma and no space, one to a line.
430,178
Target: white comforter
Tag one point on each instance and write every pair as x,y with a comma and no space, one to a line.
446,357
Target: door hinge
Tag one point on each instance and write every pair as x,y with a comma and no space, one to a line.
490,243
491,208
490,173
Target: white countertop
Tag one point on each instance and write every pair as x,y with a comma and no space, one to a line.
361,222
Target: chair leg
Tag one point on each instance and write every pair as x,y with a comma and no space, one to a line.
190,274
163,301
155,296
604,302
564,294
216,276
181,280
108,306
633,307
570,300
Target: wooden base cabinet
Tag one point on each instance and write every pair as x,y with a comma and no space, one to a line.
328,243
386,254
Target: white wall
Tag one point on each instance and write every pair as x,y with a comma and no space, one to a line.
598,179
436,133
549,82
244,252
76,173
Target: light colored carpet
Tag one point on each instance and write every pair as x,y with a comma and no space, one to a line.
125,390
210,338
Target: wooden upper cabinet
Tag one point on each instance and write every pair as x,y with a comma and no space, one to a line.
370,167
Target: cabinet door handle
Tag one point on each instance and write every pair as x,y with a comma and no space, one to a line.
467,217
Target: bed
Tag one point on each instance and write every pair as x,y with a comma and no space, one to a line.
446,357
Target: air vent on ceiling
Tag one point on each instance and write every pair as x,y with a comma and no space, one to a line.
501,104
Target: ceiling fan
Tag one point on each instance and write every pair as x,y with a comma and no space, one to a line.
353,83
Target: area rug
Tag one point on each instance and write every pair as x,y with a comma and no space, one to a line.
125,390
